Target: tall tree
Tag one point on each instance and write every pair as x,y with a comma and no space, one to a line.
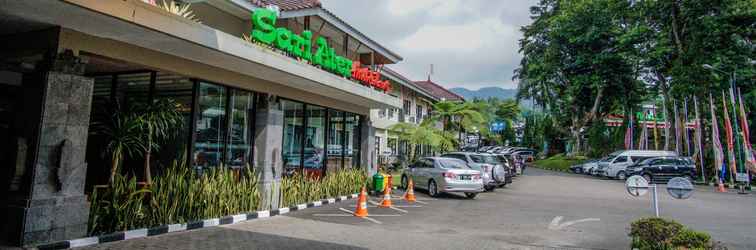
575,59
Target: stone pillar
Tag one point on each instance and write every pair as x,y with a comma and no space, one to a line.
369,156
268,142
51,205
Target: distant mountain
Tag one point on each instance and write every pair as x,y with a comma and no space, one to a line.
485,93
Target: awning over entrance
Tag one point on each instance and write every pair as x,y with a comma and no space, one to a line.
145,26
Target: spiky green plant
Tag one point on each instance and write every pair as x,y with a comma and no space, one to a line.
182,10
178,195
299,188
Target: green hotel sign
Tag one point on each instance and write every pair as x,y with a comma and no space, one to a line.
300,46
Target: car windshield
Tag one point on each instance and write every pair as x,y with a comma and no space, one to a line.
489,159
452,164
608,158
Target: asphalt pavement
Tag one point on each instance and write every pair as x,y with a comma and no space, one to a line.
540,210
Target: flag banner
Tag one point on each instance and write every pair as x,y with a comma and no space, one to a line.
677,128
629,133
699,140
656,133
746,132
730,142
666,124
716,143
685,127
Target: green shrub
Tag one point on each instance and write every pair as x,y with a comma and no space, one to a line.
176,196
179,195
658,233
690,239
298,189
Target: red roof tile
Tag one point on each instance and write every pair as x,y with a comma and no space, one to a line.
288,5
438,91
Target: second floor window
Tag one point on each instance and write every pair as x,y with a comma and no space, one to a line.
407,107
419,113
382,113
391,113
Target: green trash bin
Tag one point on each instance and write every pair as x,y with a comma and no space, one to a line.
378,182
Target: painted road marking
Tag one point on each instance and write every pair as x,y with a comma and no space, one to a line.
392,207
554,225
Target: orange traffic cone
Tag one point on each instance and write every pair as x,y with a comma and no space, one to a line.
386,197
361,210
409,196
721,188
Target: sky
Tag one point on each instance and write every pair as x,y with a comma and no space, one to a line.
471,43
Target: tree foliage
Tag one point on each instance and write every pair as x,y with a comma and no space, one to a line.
584,59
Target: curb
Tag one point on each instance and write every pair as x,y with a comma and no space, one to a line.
192,225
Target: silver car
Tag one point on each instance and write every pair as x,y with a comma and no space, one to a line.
443,175
492,170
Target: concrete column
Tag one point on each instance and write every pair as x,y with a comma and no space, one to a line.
50,205
369,160
268,142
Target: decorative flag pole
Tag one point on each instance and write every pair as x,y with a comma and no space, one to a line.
629,132
740,174
717,147
677,128
656,134
730,143
750,159
666,124
685,127
699,140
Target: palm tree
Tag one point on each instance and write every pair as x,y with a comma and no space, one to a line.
160,121
122,131
423,134
463,116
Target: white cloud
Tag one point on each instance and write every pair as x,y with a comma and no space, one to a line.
472,36
407,7
471,43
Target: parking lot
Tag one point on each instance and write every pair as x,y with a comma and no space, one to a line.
540,210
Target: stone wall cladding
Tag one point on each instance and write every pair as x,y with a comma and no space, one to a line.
57,208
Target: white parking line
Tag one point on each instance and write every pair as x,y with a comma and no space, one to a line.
392,207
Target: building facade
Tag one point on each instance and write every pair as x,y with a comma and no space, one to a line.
286,92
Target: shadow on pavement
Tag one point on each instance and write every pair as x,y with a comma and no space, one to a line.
222,238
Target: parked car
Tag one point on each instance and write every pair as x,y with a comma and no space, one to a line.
443,175
620,160
492,170
661,169
581,168
527,154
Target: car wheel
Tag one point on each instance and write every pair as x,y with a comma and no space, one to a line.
489,188
621,175
648,178
579,171
471,195
405,182
432,188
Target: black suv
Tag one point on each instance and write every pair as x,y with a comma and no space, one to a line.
661,169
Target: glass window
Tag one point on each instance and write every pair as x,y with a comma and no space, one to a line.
314,146
407,105
392,145
135,86
335,140
292,135
179,89
210,126
478,158
452,164
242,124
620,159
352,136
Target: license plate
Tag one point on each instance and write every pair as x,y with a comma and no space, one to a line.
465,177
